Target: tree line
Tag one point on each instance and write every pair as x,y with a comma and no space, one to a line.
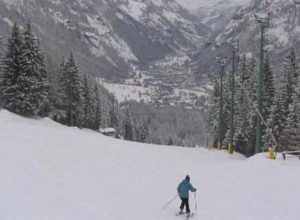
29,87
166,125
280,109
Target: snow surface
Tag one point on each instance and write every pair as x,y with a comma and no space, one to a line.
107,37
135,9
51,172
125,92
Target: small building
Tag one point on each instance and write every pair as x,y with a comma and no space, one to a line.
111,132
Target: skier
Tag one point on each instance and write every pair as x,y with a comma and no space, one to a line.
183,192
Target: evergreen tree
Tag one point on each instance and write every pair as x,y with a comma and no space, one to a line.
88,107
284,104
251,85
212,122
57,94
115,115
73,90
226,109
245,114
13,69
128,126
1,60
290,69
279,111
97,104
267,100
268,89
290,137
105,112
35,79
142,132
24,83
241,109
288,81
1,49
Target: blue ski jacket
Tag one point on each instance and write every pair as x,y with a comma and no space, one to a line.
183,189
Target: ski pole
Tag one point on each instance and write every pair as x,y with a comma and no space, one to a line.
195,202
169,202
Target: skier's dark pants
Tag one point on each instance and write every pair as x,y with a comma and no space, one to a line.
185,202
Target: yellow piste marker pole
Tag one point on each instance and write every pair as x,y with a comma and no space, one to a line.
272,153
210,145
230,149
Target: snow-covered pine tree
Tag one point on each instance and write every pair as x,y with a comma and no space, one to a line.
288,130
142,132
280,111
291,71
288,80
97,106
115,114
51,67
212,122
1,49
276,122
34,79
242,106
268,97
105,110
290,136
1,60
250,86
57,95
88,105
128,126
226,108
73,90
268,89
13,66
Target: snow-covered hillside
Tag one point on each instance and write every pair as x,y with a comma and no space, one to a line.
193,5
107,36
49,171
282,34
115,39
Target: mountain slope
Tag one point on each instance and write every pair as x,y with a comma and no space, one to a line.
49,171
282,35
217,14
108,37
195,5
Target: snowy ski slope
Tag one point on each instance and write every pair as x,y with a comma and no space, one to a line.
51,172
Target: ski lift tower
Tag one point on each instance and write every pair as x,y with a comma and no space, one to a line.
264,22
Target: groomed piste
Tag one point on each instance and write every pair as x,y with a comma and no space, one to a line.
52,172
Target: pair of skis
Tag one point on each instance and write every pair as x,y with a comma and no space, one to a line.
186,214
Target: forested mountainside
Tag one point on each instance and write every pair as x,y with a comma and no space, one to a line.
110,38
282,34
